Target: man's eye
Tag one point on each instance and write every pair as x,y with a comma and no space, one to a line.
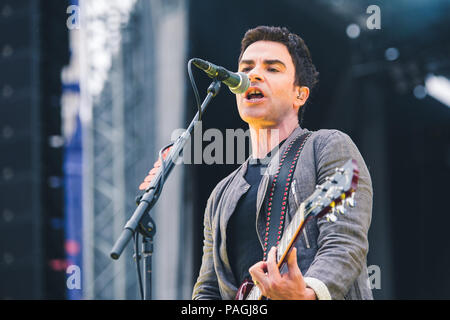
272,70
246,69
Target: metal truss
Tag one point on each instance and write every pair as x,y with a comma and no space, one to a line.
120,145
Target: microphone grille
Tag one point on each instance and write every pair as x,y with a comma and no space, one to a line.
243,85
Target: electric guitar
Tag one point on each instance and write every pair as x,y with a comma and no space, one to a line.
329,198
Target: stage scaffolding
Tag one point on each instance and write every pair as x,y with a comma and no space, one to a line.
128,113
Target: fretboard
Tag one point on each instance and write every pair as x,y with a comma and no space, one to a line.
329,197
289,235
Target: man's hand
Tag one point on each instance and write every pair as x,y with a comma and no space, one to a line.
144,185
275,286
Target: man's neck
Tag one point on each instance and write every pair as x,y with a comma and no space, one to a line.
265,139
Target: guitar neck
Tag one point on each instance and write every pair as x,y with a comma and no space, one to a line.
329,197
288,239
290,235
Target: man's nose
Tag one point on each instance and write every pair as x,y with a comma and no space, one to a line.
255,75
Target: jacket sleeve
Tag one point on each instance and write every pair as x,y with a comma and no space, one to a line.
342,245
206,287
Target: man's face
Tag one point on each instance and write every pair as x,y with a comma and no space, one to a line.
272,96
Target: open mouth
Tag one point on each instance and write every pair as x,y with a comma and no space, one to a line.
254,94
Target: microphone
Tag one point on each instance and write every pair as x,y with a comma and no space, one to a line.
238,82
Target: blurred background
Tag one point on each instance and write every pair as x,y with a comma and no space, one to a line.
90,90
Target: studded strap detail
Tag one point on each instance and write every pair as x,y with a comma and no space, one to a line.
277,195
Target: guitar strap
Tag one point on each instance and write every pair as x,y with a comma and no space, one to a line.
276,199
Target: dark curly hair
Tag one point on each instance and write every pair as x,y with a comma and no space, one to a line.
305,71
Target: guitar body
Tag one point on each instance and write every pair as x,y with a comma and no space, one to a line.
328,199
248,286
244,290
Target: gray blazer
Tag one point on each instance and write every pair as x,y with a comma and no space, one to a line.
332,255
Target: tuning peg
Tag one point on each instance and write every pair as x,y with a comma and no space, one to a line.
330,179
351,201
340,208
331,217
341,170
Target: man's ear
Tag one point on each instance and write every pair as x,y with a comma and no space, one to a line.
302,96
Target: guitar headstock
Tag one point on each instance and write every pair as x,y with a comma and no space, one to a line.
335,193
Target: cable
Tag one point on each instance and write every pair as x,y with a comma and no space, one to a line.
199,107
162,180
194,87
136,234
138,262
163,164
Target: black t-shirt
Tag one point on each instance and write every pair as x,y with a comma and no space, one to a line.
243,246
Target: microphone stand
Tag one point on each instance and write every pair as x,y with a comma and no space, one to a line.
141,220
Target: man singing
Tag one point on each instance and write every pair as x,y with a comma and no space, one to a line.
329,259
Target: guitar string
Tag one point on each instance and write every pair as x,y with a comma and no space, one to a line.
253,292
